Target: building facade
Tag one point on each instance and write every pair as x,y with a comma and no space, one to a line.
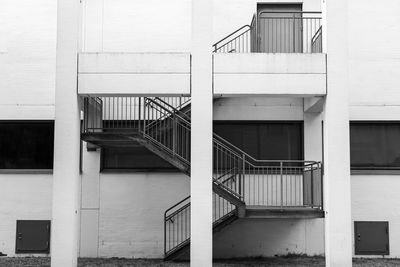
234,128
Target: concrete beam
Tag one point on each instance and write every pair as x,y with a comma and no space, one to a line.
249,74
314,104
134,74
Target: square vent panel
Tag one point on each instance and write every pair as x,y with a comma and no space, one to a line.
33,236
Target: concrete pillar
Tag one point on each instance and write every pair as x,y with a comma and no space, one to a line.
313,136
90,203
66,180
201,148
338,244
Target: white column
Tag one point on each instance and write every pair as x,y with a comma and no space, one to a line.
90,203
313,136
66,182
338,244
201,147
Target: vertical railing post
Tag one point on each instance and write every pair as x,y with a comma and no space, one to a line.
165,234
144,116
243,176
281,174
174,129
312,186
294,34
85,114
321,166
139,113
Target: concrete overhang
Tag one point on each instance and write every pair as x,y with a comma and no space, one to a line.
247,74
118,74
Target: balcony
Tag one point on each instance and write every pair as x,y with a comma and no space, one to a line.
276,54
276,32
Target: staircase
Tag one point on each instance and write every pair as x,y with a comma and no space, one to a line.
242,185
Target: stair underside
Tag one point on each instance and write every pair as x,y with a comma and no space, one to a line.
227,194
268,212
133,139
112,139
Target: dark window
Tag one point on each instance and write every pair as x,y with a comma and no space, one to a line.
264,140
135,158
375,145
26,145
33,237
371,238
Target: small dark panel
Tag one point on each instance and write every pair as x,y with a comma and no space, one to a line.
33,237
371,238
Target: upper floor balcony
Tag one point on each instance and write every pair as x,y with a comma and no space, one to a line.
275,32
277,53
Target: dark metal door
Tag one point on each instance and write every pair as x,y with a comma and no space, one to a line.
33,236
371,238
280,28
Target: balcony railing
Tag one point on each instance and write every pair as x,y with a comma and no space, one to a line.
276,32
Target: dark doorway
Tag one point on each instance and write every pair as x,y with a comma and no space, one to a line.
280,28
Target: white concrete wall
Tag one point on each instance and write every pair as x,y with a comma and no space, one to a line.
131,212
136,26
27,59
376,198
374,65
267,238
258,108
22,197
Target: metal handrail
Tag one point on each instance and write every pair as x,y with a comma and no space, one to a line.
291,12
168,111
176,110
234,148
231,34
316,35
275,41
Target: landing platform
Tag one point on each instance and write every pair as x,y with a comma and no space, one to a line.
110,139
268,212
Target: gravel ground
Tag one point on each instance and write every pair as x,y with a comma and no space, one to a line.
268,262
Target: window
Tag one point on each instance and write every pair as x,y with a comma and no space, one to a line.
375,145
264,140
33,236
371,238
135,158
26,145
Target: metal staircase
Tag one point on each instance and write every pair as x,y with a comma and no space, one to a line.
242,185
